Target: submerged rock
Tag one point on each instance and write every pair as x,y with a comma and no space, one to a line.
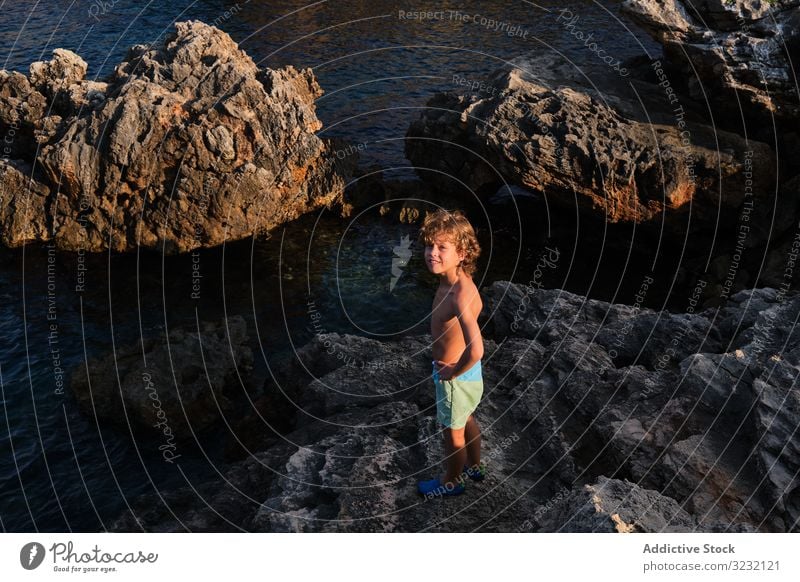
595,417
186,145
172,386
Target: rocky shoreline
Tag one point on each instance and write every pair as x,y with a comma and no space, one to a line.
597,417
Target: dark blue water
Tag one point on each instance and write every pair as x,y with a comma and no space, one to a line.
59,470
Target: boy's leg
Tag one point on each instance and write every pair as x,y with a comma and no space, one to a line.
472,433
454,442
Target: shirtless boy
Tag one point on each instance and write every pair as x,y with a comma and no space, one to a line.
451,252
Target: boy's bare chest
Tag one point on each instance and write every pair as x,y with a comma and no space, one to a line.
443,308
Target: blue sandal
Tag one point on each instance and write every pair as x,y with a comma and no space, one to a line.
435,488
476,473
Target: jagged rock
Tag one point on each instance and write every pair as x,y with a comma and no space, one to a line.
187,145
21,110
613,506
549,130
16,212
51,77
669,397
172,387
596,417
735,55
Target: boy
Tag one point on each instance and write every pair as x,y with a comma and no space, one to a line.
451,253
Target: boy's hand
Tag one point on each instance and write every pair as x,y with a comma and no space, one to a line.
445,370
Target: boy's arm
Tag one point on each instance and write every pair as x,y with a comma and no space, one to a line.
472,336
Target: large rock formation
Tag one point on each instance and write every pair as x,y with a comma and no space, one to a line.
595,417
186,145
735,55
620,154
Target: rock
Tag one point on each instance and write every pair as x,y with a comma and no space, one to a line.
231,502
668,398
21,110
735,55
782,250
614,506
596,417
186,145
16,211
171,386
55,79
777,410
547,130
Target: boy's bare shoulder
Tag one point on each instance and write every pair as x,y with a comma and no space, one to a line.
465,292
465,286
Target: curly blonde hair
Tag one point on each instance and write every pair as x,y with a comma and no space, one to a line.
453,226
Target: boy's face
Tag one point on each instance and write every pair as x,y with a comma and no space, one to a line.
442,256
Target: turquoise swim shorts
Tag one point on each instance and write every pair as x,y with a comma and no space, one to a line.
456,399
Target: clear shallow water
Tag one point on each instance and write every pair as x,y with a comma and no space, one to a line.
58,469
